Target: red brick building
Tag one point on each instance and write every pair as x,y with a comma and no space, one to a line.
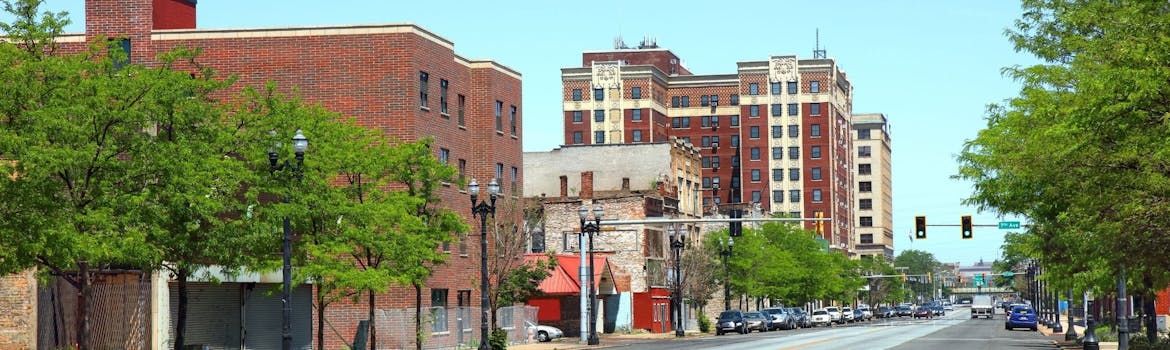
399,78
775,132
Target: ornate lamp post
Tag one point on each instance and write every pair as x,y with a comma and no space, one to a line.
725,252
482,210
1071,334
677,243
300,145
589,228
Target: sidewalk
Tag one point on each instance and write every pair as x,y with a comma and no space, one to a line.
1058,338
607,341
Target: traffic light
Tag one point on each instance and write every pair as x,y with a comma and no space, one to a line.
820,224
903,277
920,227
736,227
983,278
967,232
960,279
929,278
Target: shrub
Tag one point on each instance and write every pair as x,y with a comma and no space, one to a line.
704,324
498,339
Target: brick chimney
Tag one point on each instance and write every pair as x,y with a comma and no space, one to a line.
564,187
586,185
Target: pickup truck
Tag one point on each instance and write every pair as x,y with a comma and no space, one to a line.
981,306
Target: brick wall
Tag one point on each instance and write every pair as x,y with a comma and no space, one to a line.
18,321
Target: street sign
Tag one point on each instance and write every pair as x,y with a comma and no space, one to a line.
1007,225
1008,274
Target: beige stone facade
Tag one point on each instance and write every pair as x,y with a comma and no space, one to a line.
874,188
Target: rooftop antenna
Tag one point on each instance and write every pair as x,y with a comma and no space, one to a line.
818,52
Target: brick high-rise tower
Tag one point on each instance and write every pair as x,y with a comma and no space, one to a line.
775,132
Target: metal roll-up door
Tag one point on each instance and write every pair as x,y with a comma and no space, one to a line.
263,317
213,315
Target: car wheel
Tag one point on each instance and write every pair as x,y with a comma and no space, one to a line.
744,330
542,336
1033,328
718,332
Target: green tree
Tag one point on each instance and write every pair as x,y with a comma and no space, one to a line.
514,278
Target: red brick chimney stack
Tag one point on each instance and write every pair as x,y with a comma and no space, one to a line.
564,187
586,185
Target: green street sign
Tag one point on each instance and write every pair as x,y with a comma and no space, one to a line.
1007,225
1008,274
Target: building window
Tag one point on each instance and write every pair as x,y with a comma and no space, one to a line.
793,109
674,102
734,99
794,131
777,131
777,109
577,138
462,169
794,153
866,221
462,103
753,89
636,115
756,196
775,88
439,310
792,87
734,161
816,196
794,196
706,162
865,204
599,94
706,141
754,111
637,135
864,169
777,174
755,175
814,109
681,122
865,186
714,162
576,94
778,196
866,238
734,181
444,155
512,119
500,116
443,96
599,137
816,173
734,120
686,101
777,152
755,153
704,101
863,134
714,100
863,152
814,130
793,174
515,177
500,172
815,152
599,115
706,182
706,121
814,86
754,132
577,117
423,82
636,93
715,182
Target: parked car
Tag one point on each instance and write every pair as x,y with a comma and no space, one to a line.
923,312
885,312
781,318
821,317
866,313
730,321
754,320
858,315
1021,316
904,310
802,318
543,333
846,314
834,314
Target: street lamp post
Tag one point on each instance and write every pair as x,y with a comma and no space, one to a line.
1056,327
725,252
677,243
1071,334
589,228
482,210
300,145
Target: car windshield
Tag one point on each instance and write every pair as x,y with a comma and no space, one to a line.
820,312
750,314
831,309
729,314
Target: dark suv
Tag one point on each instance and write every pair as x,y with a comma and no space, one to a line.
730,321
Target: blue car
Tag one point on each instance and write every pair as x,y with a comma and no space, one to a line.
1021,316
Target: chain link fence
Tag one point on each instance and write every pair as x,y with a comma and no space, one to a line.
449,328
119,312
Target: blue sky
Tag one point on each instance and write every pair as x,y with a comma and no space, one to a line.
931,66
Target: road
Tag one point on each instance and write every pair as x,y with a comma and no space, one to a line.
955,331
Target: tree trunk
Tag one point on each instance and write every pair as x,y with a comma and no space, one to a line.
320,318
83,306
373,330
1151,319
418,334
181,318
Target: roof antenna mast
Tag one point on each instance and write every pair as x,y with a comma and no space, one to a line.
818,52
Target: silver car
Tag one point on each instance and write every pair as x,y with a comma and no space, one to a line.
781,318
